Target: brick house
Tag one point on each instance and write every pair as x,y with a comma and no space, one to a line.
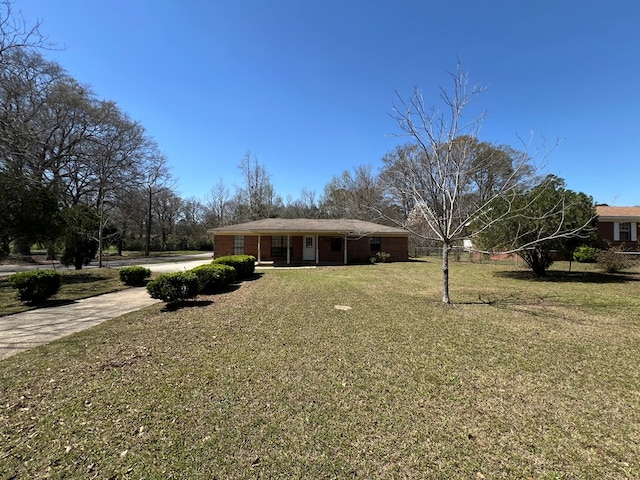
619,225
300,241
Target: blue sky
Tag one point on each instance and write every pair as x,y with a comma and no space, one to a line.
308,86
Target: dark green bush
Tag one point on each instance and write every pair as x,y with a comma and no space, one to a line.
586,254
245,265
174,287
134,275
36,286
214,277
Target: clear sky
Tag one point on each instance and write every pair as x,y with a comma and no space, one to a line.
308,86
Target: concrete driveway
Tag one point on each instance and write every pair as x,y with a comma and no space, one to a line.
25,330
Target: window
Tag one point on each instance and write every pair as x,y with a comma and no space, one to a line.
336,244
279,246
308,242
625,231
238,245
375,244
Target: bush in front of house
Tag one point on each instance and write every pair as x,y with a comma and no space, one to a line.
381,257
134,276
614,260
245,265
586,254
35,286
174,287
214,277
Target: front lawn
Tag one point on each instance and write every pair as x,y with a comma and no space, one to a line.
521,379
76,284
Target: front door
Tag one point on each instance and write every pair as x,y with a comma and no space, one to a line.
309,251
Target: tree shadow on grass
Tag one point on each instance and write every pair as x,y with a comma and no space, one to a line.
571,277
175,306
81,278
49,303
254,276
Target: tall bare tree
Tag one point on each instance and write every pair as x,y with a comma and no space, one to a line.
155,180
15,34
257,198
448,180
217,205
354,194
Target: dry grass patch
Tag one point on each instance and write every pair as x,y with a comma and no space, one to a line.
272,381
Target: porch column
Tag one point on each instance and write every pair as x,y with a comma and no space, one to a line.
288,250
345,249
259,249
317,251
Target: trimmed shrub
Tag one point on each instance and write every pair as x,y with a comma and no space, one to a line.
134,275
214,277
614,261
586,254
36,286
381,257
174,287
245,265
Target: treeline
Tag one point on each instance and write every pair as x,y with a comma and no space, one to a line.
77,175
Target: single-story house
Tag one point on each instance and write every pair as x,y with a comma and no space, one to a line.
311,241
619,225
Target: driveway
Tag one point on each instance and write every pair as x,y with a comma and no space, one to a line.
25,330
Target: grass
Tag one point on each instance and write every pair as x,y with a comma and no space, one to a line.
76,284
521,379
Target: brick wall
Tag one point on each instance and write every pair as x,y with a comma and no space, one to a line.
358,250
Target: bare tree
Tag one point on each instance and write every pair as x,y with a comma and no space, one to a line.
217,205
116,157
256,198
155,179
357,194
15,34
442,179
303,207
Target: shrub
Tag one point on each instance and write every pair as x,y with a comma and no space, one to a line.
36,286
174,287
245,265
586,254
381,257
614,261
134,275
214,277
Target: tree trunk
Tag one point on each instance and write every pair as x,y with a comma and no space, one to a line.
100,245
147,245
23,246
446,248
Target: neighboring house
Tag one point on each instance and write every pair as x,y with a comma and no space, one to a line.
619,225
306,241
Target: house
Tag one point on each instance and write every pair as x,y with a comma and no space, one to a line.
310,241
619,225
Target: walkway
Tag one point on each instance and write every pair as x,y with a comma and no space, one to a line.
25,330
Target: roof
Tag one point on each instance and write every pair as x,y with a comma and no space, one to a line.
281,226
606,212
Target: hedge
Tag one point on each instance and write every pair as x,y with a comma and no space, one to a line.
245,265
36,286
174,287
214,277
134,275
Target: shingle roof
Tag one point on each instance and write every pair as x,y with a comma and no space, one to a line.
605,212
313,226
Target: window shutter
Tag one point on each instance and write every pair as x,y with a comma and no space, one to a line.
634,232
616,231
